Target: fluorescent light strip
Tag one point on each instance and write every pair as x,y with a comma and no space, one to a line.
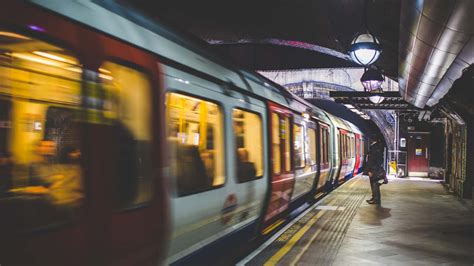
13,35
55,57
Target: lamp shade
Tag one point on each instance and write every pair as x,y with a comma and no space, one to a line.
376,96
371,80
376,99
365,49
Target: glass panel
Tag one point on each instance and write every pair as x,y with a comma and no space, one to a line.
286,138
276,143
327,145
351,147
40,150
131,111
249,145
346,150
298,145
195,133
312,146
323,145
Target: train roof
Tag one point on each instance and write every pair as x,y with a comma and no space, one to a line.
135,28
132,27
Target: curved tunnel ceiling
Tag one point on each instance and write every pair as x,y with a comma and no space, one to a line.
246,24
436,44
426,43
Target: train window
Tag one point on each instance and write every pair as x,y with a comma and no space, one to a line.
298,146
324,143
347,143
326,146
341,143
286,139
276,143
349,147
195,134
345,147
40,150
249,145
312,146
352,147
130,109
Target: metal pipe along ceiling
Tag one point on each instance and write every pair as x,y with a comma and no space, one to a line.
436,45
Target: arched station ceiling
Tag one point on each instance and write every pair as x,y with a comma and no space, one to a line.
426,43
283,34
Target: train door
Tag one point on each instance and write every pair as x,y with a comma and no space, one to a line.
202,200
351,158
362,153
418,154
248,164
282,179
124,156
357,153
324,161
343,153
304,137
43,199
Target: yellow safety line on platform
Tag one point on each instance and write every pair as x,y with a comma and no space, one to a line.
305,248
296,237
273,226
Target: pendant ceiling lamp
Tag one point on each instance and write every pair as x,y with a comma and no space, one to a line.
365,48
371,80
376,96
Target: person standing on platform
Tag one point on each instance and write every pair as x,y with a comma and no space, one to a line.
373,168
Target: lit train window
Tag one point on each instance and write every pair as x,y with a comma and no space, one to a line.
327,145
40,150
286,139
298,146
352,147
276,143
312,146
195,134
249,145
130,111
346,153
323,148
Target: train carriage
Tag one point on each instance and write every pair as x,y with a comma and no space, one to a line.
128,144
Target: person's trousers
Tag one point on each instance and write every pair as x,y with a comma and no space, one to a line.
374,185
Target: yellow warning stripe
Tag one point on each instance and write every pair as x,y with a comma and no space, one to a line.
305,248
296,237
273,226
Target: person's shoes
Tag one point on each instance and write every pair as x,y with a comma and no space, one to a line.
369,200
373,202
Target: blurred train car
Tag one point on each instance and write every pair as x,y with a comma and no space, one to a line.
122,142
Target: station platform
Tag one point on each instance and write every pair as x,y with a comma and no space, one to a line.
418,223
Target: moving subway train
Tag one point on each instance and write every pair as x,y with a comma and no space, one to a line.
122,142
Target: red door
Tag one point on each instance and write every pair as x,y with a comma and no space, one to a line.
418,154
283,178
357,153
118,217
127,155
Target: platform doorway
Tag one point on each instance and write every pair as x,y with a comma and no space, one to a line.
418,148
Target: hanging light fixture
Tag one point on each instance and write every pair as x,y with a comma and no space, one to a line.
365,48
376,96
371,79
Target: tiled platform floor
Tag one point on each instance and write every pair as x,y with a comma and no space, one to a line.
418,223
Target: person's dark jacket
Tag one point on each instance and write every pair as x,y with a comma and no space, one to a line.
374,158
